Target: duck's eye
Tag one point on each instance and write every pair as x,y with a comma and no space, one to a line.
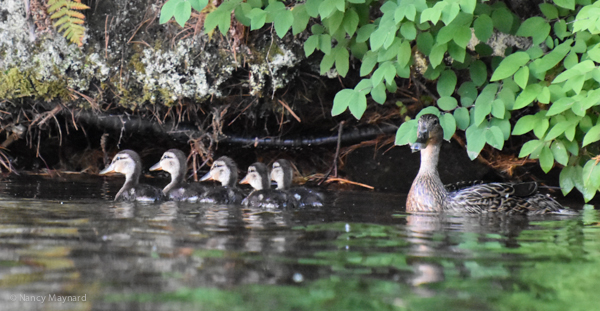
118,159
436,121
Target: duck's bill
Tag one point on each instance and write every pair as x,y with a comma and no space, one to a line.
245,181
421,142
208,176
109,169
156,167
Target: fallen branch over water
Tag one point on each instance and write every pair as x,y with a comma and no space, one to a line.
184,132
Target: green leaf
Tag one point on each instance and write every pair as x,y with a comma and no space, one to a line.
283,20
462,37
334,21
385,70
483,104
326,63
478,72
368,63
431,14
404,53
325,44
560,152
560,105
182,12
449,12
510,65
498,108
407,133
544,96
350,21
447,103
312,7
549,10
301,19
168,10
494,137
590,174
468,93
531,147
577,70
341,101
258,18
461,115
364,86
446,83
503,19
535,27
541,126
483,27
522,76
425,42
328,7
437,54
198,5
456,52
448,124
468,6
557,130
593,135
311,44
408,30
475,140
567,4
546,159
378,93
566,179
527,96
503,125
524,124
364,33
341,60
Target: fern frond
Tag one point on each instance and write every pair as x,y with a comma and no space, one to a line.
69,19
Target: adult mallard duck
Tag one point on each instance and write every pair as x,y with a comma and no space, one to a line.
128,163
174,162
428,194
223,170
283,173
262,196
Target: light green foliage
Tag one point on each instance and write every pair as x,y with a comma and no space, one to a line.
478,90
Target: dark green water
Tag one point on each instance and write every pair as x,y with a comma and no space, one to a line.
62,238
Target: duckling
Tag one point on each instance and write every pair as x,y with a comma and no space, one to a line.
128,163
282,174
428,194
174,162
223,170
262,196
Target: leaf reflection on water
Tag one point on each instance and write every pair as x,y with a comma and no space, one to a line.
359,252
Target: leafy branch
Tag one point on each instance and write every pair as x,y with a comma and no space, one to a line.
69,18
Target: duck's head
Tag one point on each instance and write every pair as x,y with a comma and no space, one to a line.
223,170
126,162
429,132
282,173
174,162
257,176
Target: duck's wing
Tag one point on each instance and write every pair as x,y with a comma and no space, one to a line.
509,198
462,185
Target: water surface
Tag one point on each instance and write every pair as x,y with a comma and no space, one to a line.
64,238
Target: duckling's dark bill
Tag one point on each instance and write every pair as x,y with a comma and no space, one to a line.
421,142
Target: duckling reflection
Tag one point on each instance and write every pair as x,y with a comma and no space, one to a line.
223,170
128,163
283,173
174,162
262,196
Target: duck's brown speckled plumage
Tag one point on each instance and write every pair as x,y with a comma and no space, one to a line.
428,194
